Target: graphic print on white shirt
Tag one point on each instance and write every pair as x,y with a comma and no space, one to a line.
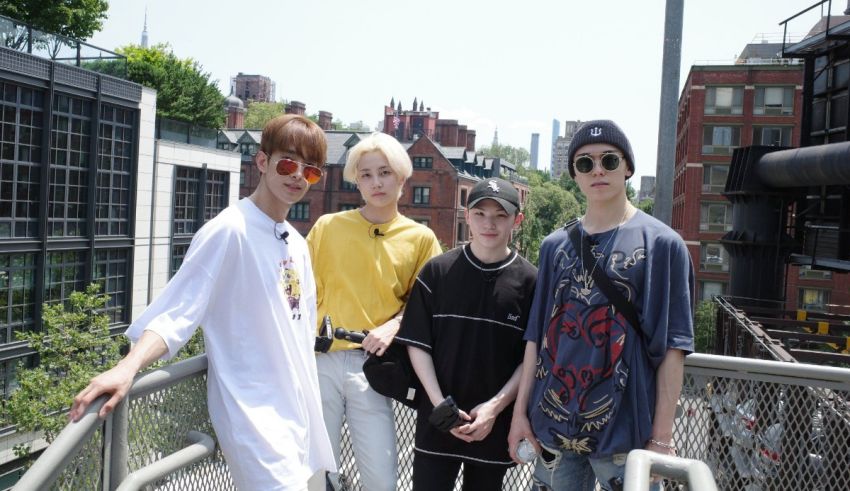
291,284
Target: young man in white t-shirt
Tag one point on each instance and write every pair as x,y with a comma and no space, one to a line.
247,279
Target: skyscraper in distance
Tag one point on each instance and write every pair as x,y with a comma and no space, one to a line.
535,143
556,132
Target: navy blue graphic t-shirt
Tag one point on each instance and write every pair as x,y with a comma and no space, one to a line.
594,389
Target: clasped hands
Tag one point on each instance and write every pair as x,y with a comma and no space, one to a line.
469,427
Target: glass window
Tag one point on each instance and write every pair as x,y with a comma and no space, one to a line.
21,127
345,185
17,294
347,206
714,177
178,253
715,217
421,196
724,100
423,221
713,257
248,148
710,289
215,198
110,270
114,171
185,205
67,208
423,162
806,272
720,140
299,212
463,193
773,136
813,299
63,275
774,101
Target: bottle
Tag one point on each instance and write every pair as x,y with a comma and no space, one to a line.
525,451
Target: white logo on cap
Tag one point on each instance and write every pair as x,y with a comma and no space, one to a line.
597,131
494,186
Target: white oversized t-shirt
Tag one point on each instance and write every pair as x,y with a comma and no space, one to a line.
255,297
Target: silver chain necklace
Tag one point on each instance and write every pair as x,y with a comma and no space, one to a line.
588,278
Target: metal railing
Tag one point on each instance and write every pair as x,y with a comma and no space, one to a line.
182,132
28,39
642,464
757,424
142,442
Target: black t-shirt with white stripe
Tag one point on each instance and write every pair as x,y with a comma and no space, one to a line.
470,317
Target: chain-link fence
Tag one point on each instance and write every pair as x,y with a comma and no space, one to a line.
759,425
158,425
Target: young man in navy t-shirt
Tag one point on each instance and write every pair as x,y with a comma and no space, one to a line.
594,386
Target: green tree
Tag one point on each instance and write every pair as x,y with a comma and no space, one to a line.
569,184
73,347
184,91
647,205
77,19
705,319
515,155
630,191
259,113
547,208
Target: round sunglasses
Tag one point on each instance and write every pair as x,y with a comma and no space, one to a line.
609,160
287,167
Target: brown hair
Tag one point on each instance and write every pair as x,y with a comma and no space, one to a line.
292,132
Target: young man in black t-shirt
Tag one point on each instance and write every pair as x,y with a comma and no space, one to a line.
464,325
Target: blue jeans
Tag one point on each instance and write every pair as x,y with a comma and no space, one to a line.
569,471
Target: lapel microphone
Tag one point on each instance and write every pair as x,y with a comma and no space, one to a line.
281,236
376,232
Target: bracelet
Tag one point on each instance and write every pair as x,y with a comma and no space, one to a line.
666,446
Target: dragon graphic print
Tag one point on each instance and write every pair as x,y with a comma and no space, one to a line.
583,361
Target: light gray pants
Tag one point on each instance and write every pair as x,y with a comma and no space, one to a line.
345,392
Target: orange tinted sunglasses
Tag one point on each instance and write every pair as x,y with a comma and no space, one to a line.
287,167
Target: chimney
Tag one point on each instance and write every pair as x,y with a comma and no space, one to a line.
296,107
470,140
325,120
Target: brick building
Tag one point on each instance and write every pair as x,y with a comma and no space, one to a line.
756,101
258,88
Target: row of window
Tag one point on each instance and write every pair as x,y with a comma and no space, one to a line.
767,101
713,258
723,139
64,272
199,195
72,158
77,188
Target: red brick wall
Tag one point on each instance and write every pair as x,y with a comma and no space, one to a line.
688,179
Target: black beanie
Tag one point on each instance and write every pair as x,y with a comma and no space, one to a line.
600,131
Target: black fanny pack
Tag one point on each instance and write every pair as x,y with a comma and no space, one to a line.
392,375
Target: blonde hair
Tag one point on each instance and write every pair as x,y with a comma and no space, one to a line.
388,146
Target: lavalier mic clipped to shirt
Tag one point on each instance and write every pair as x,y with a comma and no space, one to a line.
375,232
281,236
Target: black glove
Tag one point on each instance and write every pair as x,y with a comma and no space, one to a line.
445,415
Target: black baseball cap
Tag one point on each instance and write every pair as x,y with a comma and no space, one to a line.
499,190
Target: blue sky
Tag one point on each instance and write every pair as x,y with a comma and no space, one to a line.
488,65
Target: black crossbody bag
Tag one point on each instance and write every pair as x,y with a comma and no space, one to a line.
617,299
